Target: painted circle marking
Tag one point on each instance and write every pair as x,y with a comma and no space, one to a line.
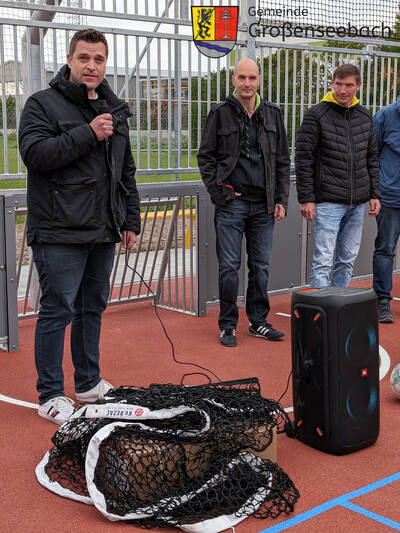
383,370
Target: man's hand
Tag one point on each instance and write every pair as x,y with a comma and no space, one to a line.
228,191
374,207
279,212
128,239
102,125
308,210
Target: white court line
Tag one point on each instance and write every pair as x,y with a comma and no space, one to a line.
385,358
385,362
18,402
383,370
35,405
394,298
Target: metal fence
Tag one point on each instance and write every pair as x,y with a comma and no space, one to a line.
153,67
164,265
169,86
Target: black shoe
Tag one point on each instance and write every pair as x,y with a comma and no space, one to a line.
265,331
227,337
384,312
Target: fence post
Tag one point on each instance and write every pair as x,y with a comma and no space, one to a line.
251,41
168,242
202,243
8,274
3,285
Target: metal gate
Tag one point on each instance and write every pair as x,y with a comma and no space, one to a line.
167,264
170,89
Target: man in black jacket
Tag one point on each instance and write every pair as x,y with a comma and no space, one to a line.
244,163
336,174
82,196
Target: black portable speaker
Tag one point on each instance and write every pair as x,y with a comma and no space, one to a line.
335,361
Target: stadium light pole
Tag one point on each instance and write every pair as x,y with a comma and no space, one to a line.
31,74
31,83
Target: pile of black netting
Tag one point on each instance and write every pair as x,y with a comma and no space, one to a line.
167,455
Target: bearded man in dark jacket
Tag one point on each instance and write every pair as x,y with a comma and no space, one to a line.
82,198
336,174
244,163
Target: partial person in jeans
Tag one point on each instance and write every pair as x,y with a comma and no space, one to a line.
336,175
244,163
387,130
82,199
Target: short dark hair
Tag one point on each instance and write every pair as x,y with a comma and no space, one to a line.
90,36
348,69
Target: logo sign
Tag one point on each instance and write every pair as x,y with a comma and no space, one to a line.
214,29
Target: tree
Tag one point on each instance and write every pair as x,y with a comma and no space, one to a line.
201,104
10,112
395,36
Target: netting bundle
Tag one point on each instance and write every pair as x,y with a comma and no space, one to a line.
167,455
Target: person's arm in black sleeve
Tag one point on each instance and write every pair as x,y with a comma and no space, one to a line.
43,147
282,163
373,166
207,159
132,222
373,172
306,147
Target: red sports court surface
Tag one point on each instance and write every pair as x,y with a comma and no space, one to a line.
359,492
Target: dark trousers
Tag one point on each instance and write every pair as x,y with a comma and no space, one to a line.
388,221
239,217
74,280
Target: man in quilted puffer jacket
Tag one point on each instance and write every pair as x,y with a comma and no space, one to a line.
336,174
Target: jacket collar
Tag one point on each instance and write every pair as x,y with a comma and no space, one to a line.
231,99
329,97
258,99
77,92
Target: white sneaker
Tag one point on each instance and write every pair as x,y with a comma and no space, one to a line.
57,410
94,394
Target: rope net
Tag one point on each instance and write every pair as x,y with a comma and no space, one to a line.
173,455
334,13
365,18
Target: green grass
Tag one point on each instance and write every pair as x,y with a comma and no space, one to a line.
148,178
159,178
12,164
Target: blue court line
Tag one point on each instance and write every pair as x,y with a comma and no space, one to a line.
370,514
341,500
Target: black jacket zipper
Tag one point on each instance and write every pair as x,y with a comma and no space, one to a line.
351,155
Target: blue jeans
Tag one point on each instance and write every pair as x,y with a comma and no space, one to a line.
337,239
388,222
231,221
74,280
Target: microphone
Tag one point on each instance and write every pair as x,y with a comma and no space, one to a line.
102,106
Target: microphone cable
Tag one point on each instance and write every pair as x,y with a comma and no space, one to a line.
165,331
289,429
